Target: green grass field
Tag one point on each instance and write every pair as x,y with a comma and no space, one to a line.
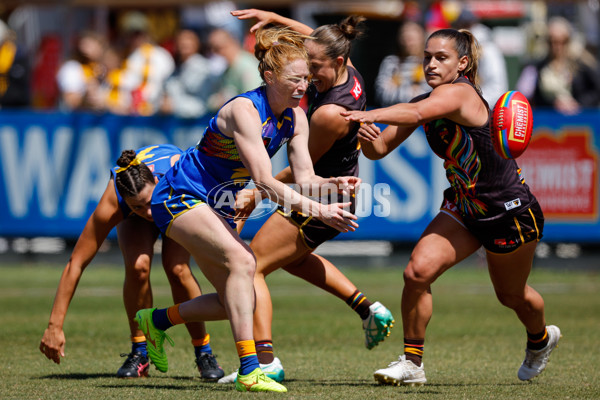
473,350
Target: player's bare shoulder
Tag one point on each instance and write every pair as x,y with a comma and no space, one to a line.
236,114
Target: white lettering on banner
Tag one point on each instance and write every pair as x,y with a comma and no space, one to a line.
367,174
439,183
560,185
35,168
423,194
414,207
93,162
557,175
382,206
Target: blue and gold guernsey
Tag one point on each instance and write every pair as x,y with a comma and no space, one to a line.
212,172
157,158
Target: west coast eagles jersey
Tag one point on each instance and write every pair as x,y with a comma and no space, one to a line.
215,161
157,158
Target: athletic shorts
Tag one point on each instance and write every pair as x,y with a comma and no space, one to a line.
167,204
312,230
504,235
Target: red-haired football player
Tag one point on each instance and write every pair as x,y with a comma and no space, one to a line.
487,203
288,238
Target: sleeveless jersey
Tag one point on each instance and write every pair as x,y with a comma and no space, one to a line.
156,158
215,161
342,158
484,186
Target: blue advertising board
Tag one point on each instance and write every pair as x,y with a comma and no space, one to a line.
54,168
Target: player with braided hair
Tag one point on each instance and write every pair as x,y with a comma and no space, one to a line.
125,205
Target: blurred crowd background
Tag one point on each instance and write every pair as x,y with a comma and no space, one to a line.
183,59
168,57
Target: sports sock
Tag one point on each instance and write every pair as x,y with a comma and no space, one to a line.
537,341
202,345
413,350
264,351
138,344
164,318
247,352
359,303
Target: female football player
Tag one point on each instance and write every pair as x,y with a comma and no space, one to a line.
488,203
193,203
125,204
288,239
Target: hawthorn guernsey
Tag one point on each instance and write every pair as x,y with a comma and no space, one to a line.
512,124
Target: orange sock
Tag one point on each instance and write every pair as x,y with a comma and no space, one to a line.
247,352
174,316
201,342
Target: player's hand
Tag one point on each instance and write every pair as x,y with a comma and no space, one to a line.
246,201
368,132
53,344
263,17
358,116
335,216
347,185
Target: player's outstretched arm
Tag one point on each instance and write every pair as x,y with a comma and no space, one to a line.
253,154
106,216
267,17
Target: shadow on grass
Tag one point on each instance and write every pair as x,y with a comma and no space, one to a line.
75,376
421,389
201,385
152,382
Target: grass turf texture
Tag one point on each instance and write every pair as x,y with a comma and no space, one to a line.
473,350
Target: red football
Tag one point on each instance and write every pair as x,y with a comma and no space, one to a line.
512,124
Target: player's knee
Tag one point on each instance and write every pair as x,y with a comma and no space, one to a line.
178,272
417,273
139,270
181,278
510,300
243,263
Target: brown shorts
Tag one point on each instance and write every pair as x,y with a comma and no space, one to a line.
313,231
507,234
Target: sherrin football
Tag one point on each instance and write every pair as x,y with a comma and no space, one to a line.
512,124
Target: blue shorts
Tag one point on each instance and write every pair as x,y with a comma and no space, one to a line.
167,204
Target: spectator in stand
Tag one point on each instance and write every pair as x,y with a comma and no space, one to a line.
493,75
187,90
567,79
14,71
80,77
400,76
147,66
115,98
206,16
241,74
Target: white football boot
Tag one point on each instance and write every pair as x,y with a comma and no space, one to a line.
536,360
401,372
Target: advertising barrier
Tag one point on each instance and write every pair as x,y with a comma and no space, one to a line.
54,167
